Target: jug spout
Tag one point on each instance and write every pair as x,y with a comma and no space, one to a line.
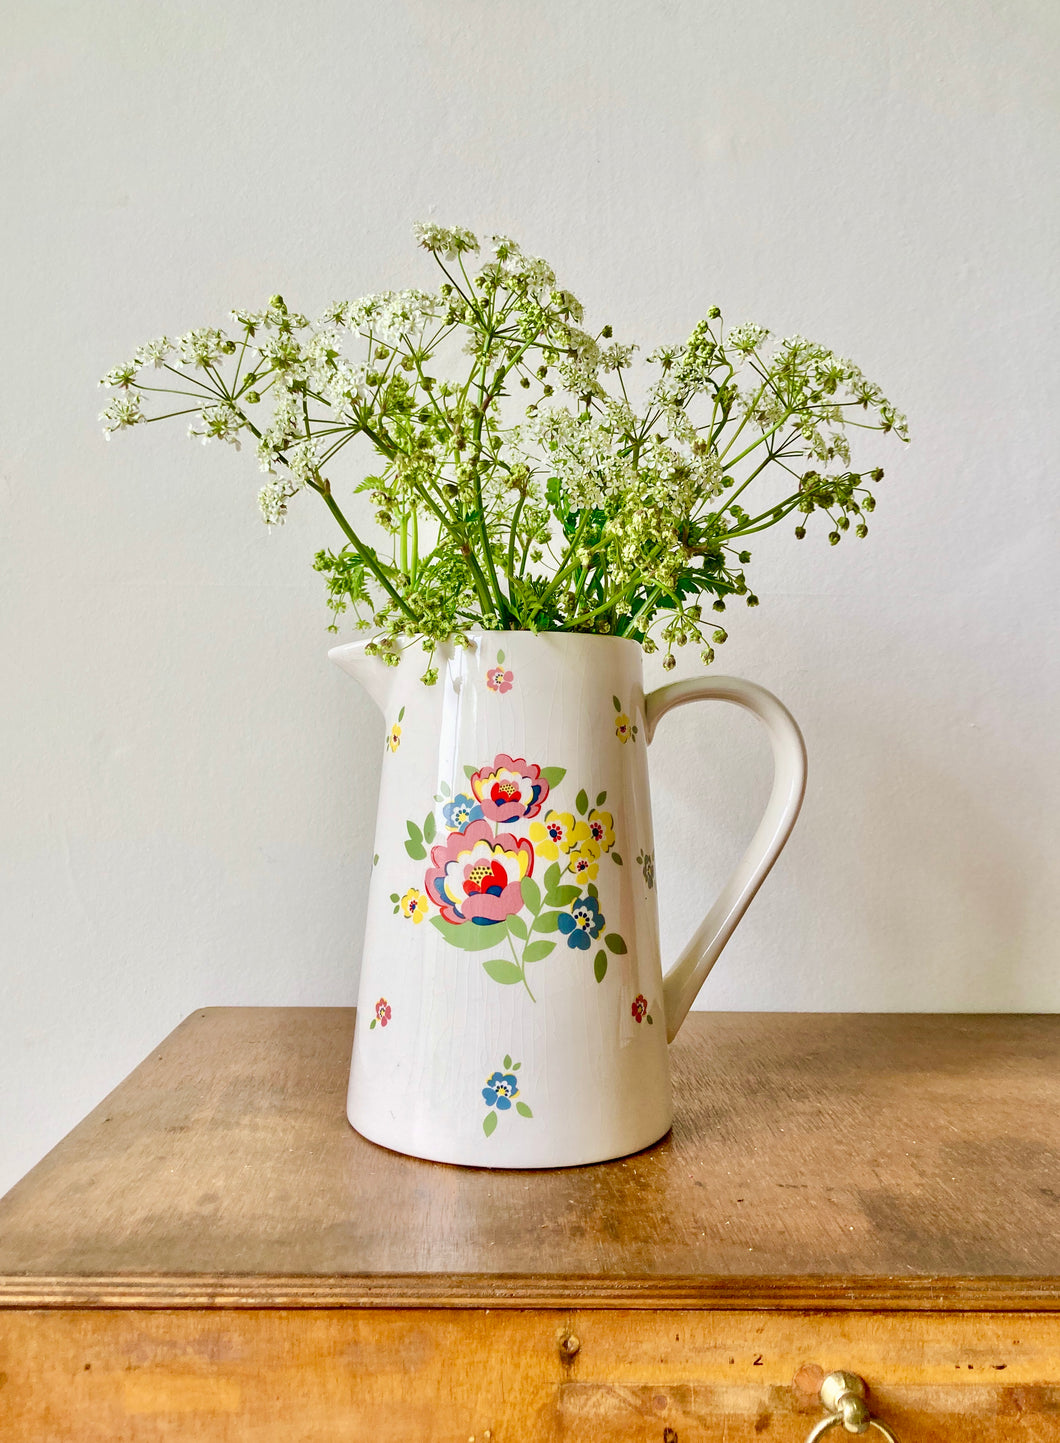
371,671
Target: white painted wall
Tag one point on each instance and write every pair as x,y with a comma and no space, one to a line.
188,793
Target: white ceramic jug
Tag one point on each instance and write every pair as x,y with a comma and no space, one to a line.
512,1010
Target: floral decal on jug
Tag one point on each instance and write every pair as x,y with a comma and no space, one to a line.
500,1092
481,875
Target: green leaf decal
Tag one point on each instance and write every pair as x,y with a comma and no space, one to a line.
516,1066
616,703
469,772
522,1109
616,859
401,714
546,922
562,896
467,936
503,971
489,1123
416,850
581,801
507,1060
443,787
430,826
650,1020
552,877
500,658
614,943
600,965
517,927
394,897
537,950
372,1023
531,894
553,775
601,799
414,832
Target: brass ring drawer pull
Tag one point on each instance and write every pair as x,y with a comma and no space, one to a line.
843,1397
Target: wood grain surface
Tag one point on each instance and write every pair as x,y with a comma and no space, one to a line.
315,1376
828,1161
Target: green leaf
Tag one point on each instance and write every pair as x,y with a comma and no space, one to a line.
516,1066
401,714
414,832
650,1020
507,1060
394,897
501,970
430,826
375,860
517,927
614,943
372,1023
469,772
593,891
581,801
489,1123
616,703
552,877
416,850
616,858
553,775
469,937
531,894
600,965
500,658
443,787
601,799
537,950
522,1109
562,896
546,922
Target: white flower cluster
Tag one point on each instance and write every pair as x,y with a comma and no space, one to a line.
219,423
447,241
388,315
746,338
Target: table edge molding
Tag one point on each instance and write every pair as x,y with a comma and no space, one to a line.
446,1290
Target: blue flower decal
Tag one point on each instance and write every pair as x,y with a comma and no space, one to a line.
500,1089
583,923
460,812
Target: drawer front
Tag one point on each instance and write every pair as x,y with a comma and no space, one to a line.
516,1376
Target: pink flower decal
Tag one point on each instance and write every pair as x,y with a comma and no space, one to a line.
640,1007
477,877
509,789
497,679
382,1014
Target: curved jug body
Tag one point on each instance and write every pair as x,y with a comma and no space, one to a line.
510,1010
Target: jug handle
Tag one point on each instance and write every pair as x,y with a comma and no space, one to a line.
682,983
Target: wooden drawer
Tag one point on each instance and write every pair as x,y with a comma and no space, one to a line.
513,1376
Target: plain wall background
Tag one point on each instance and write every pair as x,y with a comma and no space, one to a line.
187,810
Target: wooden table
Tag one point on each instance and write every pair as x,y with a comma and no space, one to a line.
214,1254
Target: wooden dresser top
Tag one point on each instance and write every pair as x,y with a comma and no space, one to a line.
816,1160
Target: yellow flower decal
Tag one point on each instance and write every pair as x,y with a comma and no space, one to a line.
584,861
414,904
601,828
393,741
559,832
624,728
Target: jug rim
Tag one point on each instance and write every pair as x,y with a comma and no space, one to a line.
478,633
